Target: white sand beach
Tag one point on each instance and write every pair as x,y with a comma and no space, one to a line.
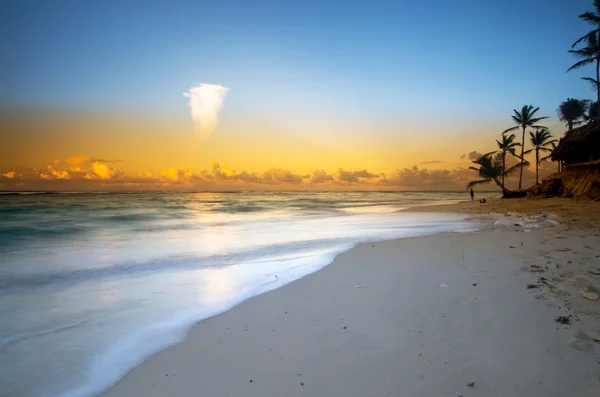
455,314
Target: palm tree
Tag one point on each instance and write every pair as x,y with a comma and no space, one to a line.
525,118
490,169
572,111
540,140
593,112
548,157
507,145
593,18
588,55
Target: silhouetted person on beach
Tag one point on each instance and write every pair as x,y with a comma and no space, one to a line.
472,194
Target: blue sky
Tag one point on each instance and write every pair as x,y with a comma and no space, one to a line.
373,56
314,85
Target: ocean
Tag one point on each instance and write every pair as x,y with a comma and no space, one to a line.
91,284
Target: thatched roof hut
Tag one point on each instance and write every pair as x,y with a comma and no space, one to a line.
579,145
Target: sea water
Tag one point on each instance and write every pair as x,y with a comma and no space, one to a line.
91,284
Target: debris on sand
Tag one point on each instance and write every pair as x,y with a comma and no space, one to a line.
563,320
594,335
471,385
591,296
531,286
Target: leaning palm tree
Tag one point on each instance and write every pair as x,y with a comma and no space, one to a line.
540,140
507,145
572,111
525,118
490,169
588,55
593,18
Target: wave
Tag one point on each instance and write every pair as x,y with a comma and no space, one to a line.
131,217
237,208
70,277
47,331
108,368
5,193
10,233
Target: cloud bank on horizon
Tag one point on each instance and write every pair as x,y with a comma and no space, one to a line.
206,102
92,173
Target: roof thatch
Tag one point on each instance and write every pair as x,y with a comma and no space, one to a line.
581,134
579,145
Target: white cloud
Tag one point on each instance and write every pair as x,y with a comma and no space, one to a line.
206,101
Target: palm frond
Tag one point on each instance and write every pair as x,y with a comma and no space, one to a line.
525,118
593,82
479,182
525,162
538,119
511,138
511,129
488,154
593,112
585,37
531,110
590,18
581,64
572,111
514,168
541,137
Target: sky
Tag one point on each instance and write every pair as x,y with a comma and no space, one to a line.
306,94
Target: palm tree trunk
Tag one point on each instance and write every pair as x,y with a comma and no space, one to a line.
522,158
570,125
503,166
537,157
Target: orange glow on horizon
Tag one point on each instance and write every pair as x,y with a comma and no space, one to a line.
62,151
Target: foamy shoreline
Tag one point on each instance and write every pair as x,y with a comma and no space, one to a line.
410,317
